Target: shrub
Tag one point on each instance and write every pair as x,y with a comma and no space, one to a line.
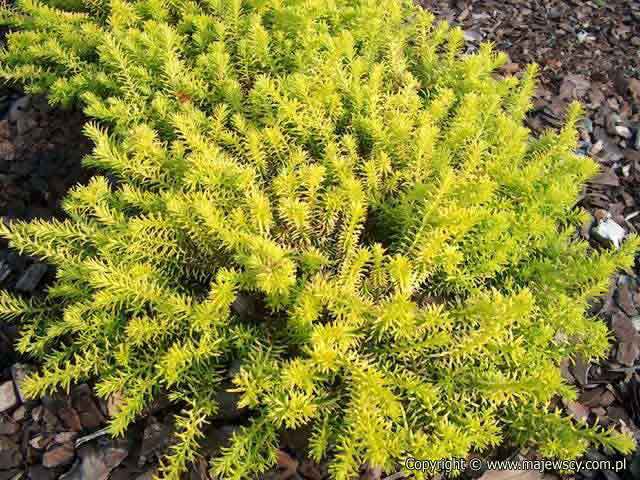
340,167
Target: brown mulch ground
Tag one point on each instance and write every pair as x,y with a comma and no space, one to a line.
599,40
587,51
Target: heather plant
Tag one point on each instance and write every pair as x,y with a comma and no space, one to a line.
345,168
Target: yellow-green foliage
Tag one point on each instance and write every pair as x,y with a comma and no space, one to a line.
345,164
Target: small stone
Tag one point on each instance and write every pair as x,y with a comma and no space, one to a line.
10,454
31,278
624,132
608,231
58,455
8,397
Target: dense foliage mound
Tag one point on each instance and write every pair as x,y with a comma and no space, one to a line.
324,199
